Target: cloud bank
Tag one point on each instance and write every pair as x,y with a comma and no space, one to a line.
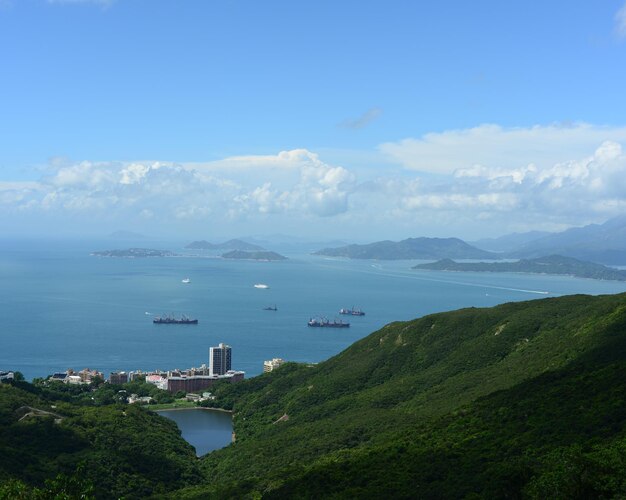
495,146
489,181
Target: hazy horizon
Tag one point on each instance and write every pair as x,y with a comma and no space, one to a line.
324,121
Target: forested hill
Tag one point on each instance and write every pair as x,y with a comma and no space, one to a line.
520,399
552,264
411,248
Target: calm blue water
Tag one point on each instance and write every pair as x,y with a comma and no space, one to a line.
205,430
61,308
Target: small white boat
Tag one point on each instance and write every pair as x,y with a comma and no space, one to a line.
261,285
186,280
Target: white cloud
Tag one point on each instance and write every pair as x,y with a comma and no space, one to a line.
497,147
298,188
239,187
620,22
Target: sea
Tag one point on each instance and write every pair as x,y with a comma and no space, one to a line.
61,307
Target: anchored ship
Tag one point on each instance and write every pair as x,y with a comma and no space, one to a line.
324,323
270,308
171,320
352,312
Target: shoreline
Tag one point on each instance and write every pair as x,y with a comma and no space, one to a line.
222,410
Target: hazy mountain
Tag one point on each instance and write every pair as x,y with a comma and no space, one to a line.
508,242
411,248
227,245
604,243
553,264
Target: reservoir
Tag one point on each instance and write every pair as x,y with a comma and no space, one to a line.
206,430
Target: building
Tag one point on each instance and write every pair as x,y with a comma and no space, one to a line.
158,380
118,378
220,359
86,375
6,375
200,382
272,364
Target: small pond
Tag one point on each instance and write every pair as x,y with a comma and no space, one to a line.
206,430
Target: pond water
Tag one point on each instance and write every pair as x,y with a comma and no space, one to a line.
206,430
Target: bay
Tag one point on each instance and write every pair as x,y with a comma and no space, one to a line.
61,308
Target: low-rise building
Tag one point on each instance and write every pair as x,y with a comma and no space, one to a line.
272,364
134,398
199,382
158,380
6,375
86,375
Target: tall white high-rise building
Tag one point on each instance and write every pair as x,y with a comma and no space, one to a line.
220,359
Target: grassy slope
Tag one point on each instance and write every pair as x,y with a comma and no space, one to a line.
394,389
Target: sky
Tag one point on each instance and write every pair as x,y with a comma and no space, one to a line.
357,120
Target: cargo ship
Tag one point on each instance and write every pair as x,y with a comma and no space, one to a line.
324,323
352,312
170,320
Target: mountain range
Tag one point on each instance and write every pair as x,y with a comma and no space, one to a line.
601,243
605,243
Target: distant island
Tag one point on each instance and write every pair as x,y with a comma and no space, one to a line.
553,264
411,248
227,245
260,255
135,252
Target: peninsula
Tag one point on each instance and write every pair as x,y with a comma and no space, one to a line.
553,264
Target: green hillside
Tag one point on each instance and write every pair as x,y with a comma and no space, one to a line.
490,395
112,450
522,400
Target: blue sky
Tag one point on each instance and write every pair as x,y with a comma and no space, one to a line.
355,119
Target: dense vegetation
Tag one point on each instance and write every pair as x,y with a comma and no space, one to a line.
58,437
411,248
552,264
523,400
